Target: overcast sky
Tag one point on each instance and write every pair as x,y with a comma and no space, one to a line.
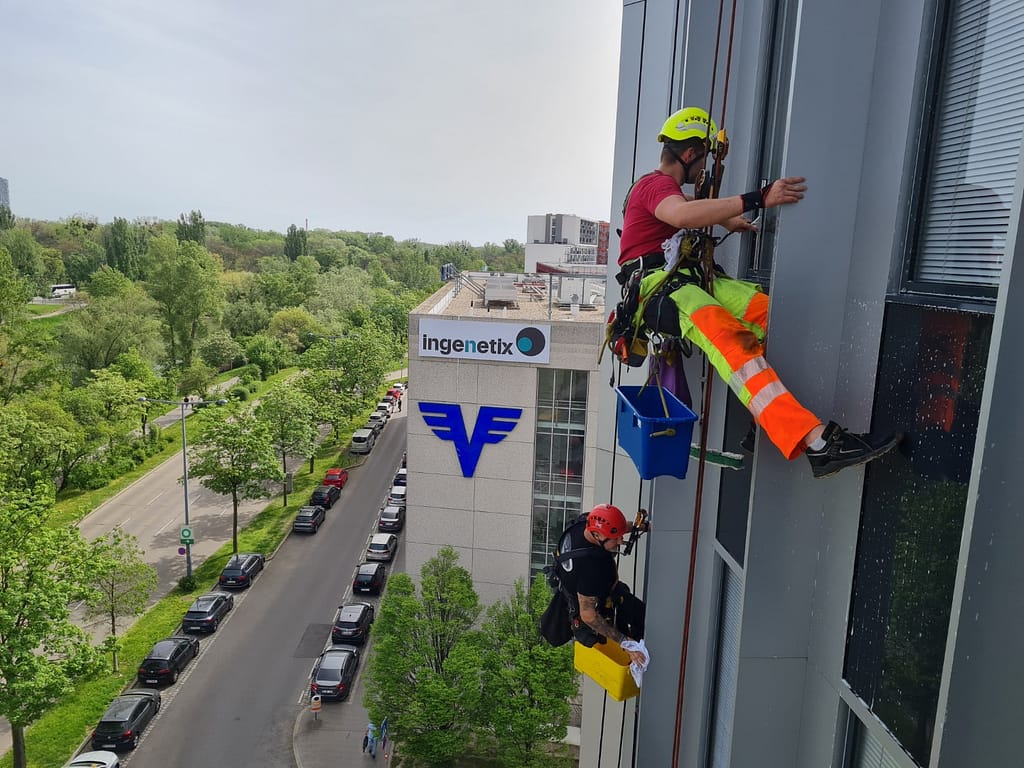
431,119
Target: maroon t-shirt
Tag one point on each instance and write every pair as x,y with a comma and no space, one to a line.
642,231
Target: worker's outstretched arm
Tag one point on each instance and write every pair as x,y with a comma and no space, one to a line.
590,616
697,214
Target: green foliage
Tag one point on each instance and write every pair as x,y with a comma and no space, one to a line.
107,281
293,326
185,282
110,326
220,351
6,217
193,228
43,570
239,393
294,243
14,290
196,379
26,256
527,684
125,244
234,454
290,418
424,671
121,584
39,442
268,354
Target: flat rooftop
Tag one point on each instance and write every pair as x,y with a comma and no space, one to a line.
531,297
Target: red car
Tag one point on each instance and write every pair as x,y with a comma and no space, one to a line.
336,476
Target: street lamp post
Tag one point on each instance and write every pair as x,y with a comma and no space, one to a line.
182,405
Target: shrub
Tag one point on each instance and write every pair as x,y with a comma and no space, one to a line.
238,393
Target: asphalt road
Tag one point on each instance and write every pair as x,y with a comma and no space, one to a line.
237,703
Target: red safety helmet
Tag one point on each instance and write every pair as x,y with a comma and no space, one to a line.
608,521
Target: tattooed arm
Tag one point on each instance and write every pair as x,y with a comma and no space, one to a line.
589,615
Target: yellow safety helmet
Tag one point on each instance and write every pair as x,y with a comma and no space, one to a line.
689,123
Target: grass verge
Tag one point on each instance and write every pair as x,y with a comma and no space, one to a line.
57,734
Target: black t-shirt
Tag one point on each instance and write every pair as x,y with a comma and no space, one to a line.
592,574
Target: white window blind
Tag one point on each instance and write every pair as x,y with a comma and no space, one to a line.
727,668
977,138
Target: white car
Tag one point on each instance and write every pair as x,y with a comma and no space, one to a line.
98,759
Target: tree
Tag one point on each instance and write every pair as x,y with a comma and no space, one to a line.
185,282
122,583
234,455
43,570
26,256
196,379
107,281
107,406
424,671
93,337
294,243
293,326
14,290
221,352
267,353
7,220
527,684
290,416
193,228
39,442
125,243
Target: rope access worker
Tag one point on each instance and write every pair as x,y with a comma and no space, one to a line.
730,325
600,606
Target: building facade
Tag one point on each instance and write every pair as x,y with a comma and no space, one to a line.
502,421
560,242
869,619
5,193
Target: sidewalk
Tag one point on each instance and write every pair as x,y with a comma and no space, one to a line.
335,739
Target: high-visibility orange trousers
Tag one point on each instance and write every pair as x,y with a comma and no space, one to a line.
730,328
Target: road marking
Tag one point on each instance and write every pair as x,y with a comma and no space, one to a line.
154,498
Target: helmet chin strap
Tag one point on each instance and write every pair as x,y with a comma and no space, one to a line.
686,165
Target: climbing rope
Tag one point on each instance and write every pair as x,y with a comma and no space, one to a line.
718,169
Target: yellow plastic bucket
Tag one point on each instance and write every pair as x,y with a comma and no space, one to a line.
608,666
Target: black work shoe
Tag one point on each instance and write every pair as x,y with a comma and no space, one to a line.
747,443
846,449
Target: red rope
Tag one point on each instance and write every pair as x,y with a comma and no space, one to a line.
709,377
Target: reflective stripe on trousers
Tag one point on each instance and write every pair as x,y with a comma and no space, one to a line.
729,327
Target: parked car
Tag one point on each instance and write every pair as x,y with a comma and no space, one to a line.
379,418
125,719
242,569
207,612
309,519
334,672
325,496
391,519
384,407
166,660
397,495
382,547
98,759
401,477
370,578
363,440
374,426
392,402
395,392
336,476
352,623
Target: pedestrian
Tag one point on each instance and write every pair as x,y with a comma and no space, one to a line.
371,740
730,323
399,405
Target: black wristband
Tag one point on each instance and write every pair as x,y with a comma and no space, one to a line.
752,201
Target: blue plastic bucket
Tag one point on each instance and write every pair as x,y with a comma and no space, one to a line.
657,444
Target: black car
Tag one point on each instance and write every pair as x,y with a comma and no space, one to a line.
125,719
207,612
168,657
242,568
391,519
334,672
401,477
325,496
309,519
352,623
370,577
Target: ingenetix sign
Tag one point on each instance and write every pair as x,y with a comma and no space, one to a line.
470,340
